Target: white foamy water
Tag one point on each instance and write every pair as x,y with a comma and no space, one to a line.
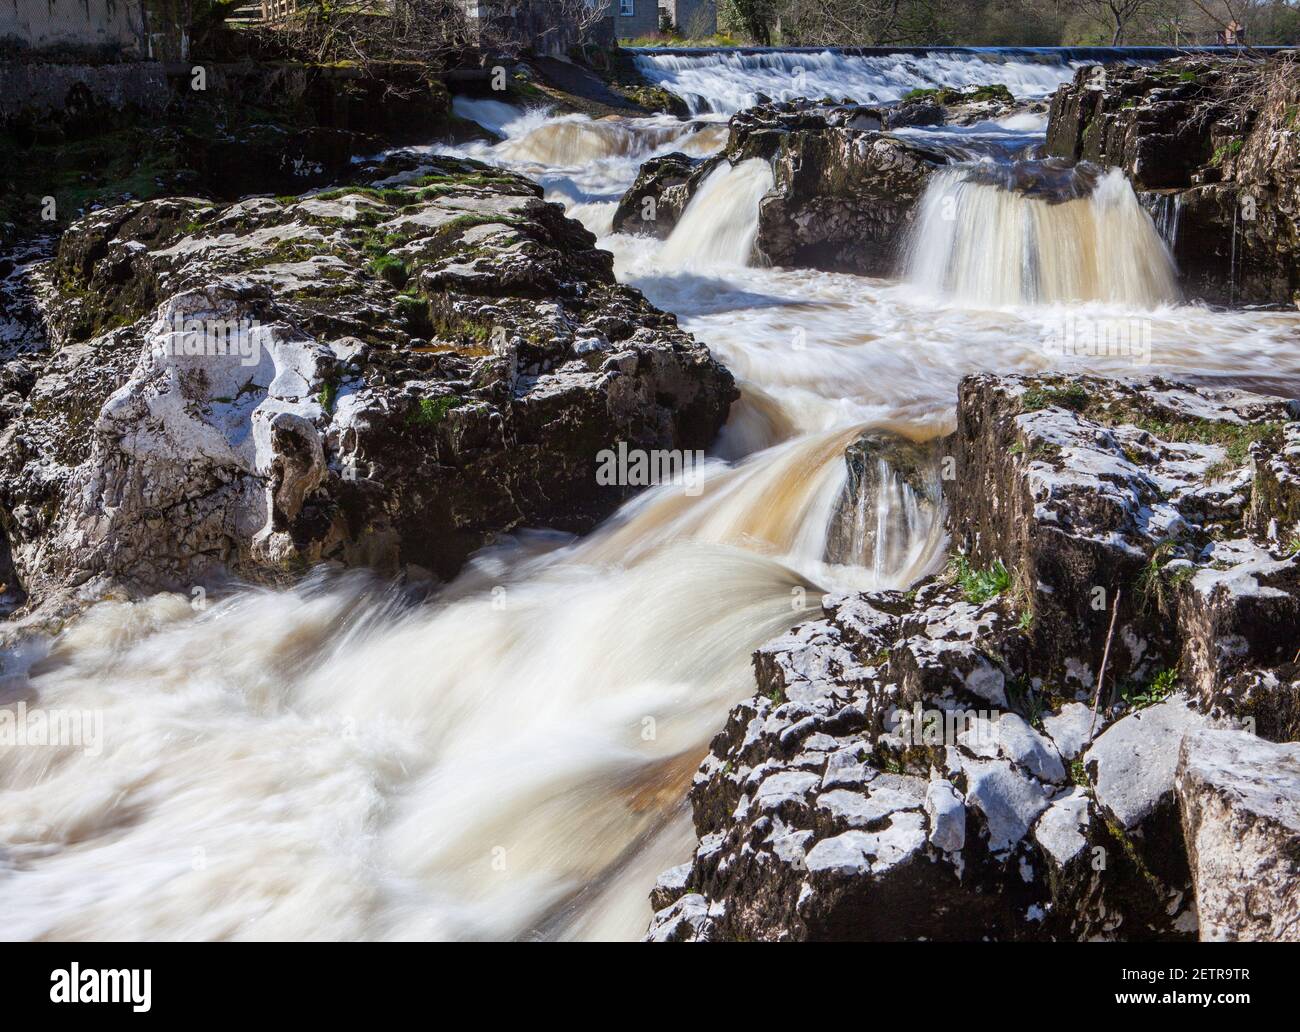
511,759
728,81
718,227
983,244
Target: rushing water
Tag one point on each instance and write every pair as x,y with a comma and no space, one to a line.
727,81
981,243
511,760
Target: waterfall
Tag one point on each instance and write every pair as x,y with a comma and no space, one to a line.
1167,212
576,140
890,516
719,226
894,528
509,761
983,244
494,115
727,81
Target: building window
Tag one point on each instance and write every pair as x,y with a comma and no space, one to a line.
626,8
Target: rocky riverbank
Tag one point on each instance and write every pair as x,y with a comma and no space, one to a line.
1214,149
388,374
928,764
103,134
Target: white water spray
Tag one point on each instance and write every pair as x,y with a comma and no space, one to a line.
720,224
727,81
983,244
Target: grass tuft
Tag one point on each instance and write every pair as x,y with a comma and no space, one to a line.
979,586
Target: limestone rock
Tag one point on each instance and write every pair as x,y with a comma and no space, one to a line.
386,377
1213,145
1240,802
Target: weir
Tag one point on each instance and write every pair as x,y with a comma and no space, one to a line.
725,81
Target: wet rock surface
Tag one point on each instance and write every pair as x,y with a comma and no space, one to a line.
387,375
654,203
934,763
1213,144
844,188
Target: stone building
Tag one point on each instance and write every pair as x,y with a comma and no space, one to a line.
694,19
113,29
633,18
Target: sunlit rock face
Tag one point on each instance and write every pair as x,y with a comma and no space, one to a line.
385,377
936,763
1213,147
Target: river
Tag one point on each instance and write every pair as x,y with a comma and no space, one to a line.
512,759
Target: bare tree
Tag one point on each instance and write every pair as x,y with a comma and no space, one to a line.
369,31
819,23
432,33
1117,13
755,17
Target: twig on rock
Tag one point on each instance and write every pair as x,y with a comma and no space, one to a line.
1105,655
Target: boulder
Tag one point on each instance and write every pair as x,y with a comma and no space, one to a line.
884,465
1240,803
843,196
384,376
1242,613
656,200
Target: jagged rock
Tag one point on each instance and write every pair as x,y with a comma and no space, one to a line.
1240,802
940,743
843,191
1008,800
1070,729
843,196
1132,762
1061,831
1132,767
242,389
1215,143
946,811
1241,613
686,920
1266,702
21,330
1093,488
656,200
919,112
826,811
1153,122
1275,491
885,469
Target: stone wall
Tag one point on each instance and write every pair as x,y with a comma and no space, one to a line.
105,29
633,18
31,91
696,19
111,26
